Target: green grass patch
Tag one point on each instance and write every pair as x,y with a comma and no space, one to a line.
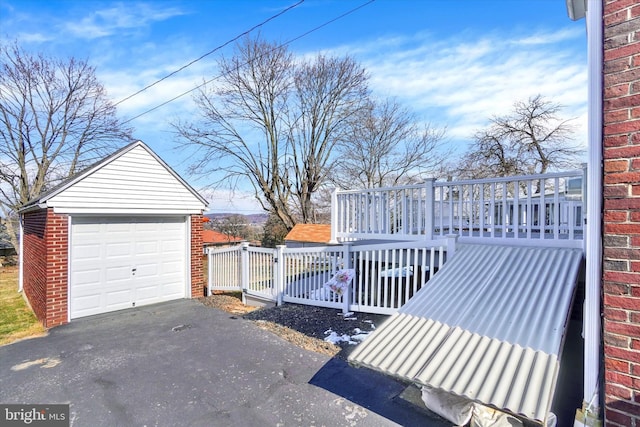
17,320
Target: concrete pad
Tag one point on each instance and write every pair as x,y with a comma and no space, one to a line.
181,363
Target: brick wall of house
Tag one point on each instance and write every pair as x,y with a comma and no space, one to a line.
197,279
45,265
621,243
34,255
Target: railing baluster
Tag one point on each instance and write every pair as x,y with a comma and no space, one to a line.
505,208
493,212
543,208
516,209
529,213
556,208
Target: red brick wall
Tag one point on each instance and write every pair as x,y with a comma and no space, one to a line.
45,256
34,256
621,264
197,280
57,236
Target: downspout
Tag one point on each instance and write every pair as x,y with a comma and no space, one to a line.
589,415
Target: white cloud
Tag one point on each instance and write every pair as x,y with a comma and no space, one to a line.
539,38
27,37
109,21
221,201
460,83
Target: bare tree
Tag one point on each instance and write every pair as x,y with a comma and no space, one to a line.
329,92
232,226
55,118
386,147
273,122
531,140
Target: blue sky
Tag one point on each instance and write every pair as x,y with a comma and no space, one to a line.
454,63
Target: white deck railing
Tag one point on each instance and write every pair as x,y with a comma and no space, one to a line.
537,209
386,275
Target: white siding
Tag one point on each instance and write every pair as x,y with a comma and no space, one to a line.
133,183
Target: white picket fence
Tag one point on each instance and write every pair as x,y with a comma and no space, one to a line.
386,275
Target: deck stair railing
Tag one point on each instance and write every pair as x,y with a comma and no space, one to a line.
542,209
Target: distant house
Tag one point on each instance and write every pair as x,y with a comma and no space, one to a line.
212,238
308,235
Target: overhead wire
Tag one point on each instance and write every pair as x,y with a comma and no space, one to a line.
211,51
248,62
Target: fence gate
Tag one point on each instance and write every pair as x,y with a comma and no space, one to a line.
258,272
243,268
224,269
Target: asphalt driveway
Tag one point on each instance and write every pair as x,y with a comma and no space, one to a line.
183,364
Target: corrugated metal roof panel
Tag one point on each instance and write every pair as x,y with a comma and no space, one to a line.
488,326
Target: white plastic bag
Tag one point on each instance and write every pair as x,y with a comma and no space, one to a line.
453,408
484,416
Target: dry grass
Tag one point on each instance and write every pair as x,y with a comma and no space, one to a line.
232,303
17,320
299,339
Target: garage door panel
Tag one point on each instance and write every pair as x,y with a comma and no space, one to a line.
86,305
87,251
117,225
147,248
171,247
115,275
148,294
174,288
118,298
147,271
118,249
105,251
86,281
169,266
83,229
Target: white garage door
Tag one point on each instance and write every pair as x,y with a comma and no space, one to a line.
118,263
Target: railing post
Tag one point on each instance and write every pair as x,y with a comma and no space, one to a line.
278,285
346,297
584,206
334,216
244,269
429,208
209,253
452,240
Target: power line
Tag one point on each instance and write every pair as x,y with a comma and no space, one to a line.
242,65
210,52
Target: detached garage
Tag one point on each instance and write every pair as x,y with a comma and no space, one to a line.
124,233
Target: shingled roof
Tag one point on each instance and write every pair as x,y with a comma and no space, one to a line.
212,237
310,233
